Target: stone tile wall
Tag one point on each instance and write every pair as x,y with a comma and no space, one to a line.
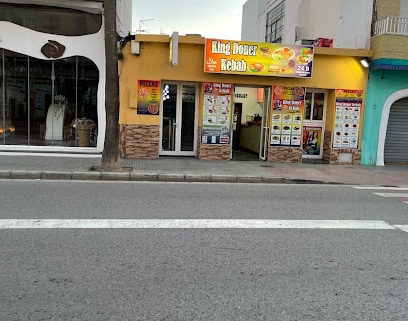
285,154
332,155
139,141
212,152
327,145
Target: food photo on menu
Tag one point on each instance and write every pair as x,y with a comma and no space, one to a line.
287,119
295,141
209,100
275,140
222,120
210,120
296,130
286,129
210,110
276,118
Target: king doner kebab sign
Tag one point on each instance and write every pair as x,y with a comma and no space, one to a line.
257,58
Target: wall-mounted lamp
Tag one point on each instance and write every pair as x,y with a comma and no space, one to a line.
365,62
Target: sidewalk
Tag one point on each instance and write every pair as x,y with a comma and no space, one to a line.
79,167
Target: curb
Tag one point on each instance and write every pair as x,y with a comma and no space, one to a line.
153,177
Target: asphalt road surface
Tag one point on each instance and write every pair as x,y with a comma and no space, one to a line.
176,251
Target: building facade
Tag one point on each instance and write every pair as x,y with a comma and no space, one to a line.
385,135
379,25
347,22
188,107
52,74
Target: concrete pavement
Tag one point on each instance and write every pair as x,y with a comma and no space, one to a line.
186,169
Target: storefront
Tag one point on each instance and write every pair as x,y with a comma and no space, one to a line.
385,139
222,100
51,83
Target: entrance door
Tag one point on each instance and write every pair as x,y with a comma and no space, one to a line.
313,123
250,123
179,121
263,149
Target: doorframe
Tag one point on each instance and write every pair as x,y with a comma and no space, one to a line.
317,123
265,123
177,142
268,107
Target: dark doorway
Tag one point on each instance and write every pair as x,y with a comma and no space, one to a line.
237,124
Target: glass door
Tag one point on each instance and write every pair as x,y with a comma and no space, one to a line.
179,121
313,123
263,148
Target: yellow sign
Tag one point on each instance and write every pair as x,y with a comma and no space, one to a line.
257,58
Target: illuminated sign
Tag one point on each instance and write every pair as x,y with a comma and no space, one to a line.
257,58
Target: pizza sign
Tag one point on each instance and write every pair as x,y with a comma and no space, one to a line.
148,97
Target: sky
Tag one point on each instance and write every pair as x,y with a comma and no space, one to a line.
210,18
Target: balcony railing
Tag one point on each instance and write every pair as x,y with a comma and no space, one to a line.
391,25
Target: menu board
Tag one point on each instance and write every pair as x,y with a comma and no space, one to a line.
287,116
258,58
148,97
347,122
216,127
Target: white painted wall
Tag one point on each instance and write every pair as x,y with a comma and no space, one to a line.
318,19
29,42
124,20
291,17
404,8
253,20
348,22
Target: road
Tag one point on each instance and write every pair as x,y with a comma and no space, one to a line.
143,251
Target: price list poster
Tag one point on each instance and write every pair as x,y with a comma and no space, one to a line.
287,116
347,122
217,113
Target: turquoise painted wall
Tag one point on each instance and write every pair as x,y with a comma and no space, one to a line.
381,84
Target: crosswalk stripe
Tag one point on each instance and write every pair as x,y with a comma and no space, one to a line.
191,224
392,194
402,227
381,188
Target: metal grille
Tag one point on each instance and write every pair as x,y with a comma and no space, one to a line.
396,140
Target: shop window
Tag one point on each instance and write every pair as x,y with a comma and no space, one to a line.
314,106
41,100
52,20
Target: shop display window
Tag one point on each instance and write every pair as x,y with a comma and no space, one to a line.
44,103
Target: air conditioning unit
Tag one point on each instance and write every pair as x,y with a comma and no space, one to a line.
305,42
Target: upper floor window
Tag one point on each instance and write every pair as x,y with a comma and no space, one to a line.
274,23
52,20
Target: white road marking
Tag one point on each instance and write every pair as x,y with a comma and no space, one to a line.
392,194
190,224
382,188
402,227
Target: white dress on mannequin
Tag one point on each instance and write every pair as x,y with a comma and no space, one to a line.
55,122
